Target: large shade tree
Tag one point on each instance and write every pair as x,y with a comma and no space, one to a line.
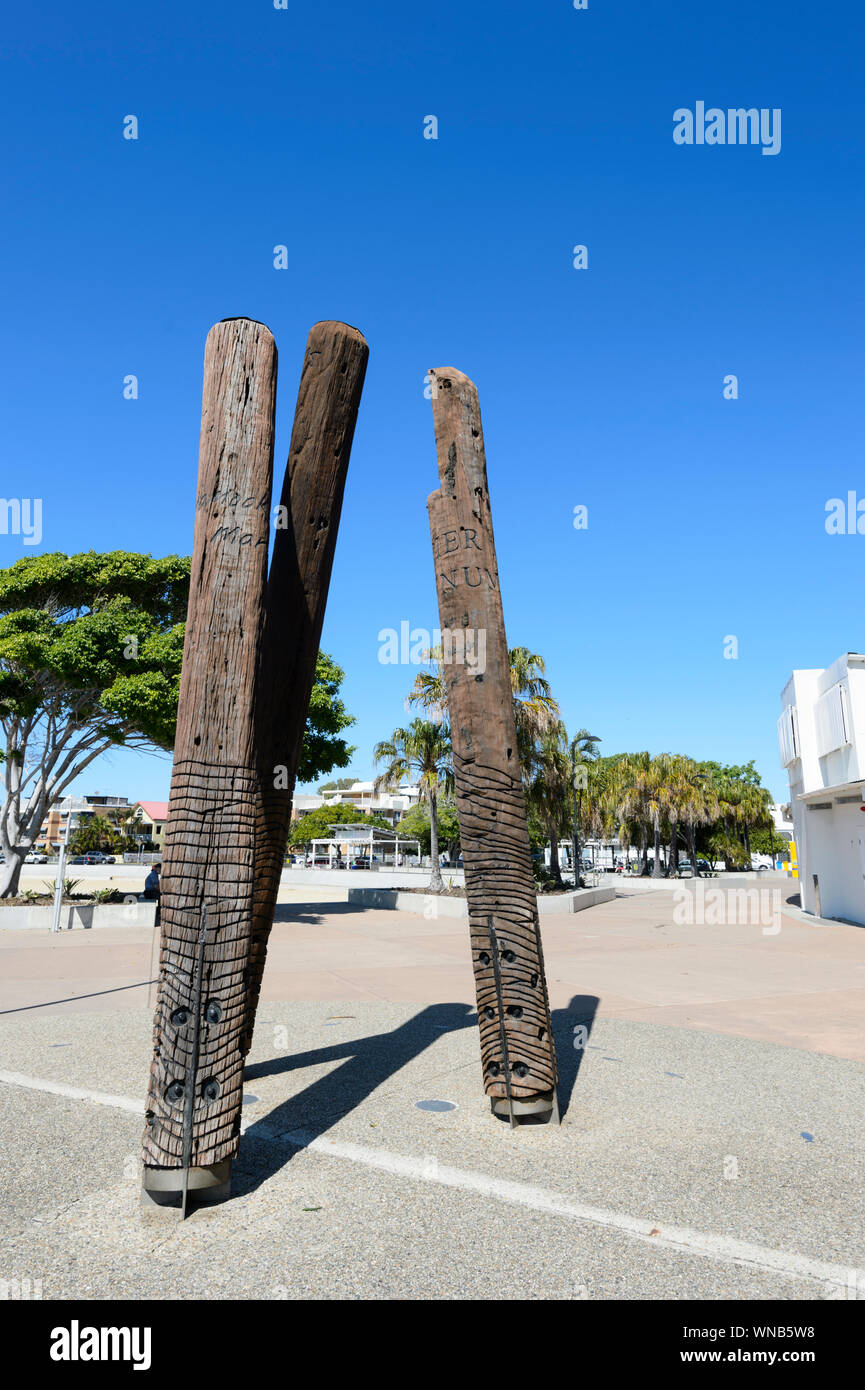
91,647
90,654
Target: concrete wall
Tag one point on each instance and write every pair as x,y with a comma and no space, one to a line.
830,836
835,852
380,878
74,915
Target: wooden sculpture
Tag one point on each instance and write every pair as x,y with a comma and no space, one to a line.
248,668
517,1050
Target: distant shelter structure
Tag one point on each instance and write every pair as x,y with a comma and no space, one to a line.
360,841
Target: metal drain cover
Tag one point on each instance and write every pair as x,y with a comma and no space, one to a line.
434,1105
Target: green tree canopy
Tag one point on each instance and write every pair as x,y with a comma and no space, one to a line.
322,748
416,823
91,648
90,654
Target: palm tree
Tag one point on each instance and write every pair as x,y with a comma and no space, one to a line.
534,706
583,750
643,795
548,786
753,811
423,750
685,803
429,689
696,803
628,781
742,805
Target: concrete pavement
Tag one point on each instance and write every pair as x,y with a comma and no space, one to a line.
711,1143
786,981
688,1165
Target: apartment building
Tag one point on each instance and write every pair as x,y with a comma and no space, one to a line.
821,736
362,796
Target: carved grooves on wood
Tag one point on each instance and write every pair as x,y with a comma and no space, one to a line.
492,815
209,858
490,799
218,804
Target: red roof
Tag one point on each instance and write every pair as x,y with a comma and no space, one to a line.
155,810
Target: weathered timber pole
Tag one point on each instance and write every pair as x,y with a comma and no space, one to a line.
215,805
307,521
517,1050
266,697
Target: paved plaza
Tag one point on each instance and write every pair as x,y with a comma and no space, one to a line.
708,1147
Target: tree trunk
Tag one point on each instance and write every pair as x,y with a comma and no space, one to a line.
436,883
674,849
656,867
692,848
10,873
644,852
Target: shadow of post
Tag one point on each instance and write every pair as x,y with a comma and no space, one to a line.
570,1046
367,1064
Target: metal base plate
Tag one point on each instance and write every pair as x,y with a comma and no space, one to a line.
163,1187
539,1110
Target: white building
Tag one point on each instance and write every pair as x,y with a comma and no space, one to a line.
821,734
363,797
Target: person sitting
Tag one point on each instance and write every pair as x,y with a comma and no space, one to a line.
151,884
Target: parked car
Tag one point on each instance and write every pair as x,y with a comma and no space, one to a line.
687,865
77,859
34,857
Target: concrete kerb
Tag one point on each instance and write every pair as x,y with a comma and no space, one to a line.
440,905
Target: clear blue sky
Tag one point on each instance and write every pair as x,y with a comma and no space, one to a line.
600,387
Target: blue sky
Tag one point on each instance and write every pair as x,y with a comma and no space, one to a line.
601,387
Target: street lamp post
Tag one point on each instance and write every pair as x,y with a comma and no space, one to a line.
575,848
61,871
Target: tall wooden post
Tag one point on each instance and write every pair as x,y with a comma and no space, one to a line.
215,811
248,669
517,1050
307,521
